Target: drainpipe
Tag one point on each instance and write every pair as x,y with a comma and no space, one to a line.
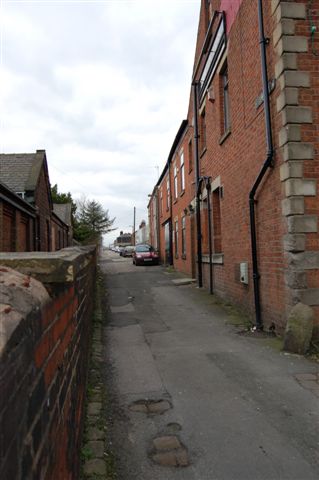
209,216
197,183
267,164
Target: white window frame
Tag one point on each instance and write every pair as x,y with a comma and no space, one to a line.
182,168
175,182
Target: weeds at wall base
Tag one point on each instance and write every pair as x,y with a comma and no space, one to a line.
96,458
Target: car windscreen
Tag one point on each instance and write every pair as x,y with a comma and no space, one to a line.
143,248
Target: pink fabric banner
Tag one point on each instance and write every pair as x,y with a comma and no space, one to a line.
231,8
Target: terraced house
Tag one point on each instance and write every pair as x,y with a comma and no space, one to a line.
237,203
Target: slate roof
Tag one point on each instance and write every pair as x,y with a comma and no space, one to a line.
63,211
7,194
20,171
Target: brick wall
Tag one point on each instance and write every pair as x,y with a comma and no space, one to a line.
43,203
232,155
182,206
16,225
44,352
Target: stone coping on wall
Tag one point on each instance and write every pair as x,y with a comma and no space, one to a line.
19,296
61,266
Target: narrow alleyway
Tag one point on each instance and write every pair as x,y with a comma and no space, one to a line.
193,400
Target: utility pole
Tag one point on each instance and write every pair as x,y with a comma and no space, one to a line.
134,219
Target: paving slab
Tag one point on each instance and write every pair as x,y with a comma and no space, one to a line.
95,466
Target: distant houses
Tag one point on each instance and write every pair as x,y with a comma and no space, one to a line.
123,240
29,221
142,234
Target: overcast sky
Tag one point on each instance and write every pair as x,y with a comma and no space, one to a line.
102,86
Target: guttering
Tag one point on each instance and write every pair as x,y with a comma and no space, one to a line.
267,164
197,183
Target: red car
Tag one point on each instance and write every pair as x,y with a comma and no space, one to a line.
145,254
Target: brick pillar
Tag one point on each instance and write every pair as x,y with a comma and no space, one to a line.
297,155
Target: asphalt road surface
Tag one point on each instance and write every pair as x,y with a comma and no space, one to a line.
194,400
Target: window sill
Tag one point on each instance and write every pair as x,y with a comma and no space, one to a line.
182,193
175,201
184,257
176,256
217,259
202,153
224,136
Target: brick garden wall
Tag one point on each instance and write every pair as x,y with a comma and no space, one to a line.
43,361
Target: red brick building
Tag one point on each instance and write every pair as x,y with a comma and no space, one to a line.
26,211
17,222
238,197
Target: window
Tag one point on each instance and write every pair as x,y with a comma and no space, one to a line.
184,236
175,182
144,248
225,101
182,171
168,193
217,47
217,230
176,238
190,156
202,131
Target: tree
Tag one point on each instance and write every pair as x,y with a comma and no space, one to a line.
92,220
59,197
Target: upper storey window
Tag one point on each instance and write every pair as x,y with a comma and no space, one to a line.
182,170
215,52
175,182
225,100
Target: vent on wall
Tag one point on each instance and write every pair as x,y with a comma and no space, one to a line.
244,272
